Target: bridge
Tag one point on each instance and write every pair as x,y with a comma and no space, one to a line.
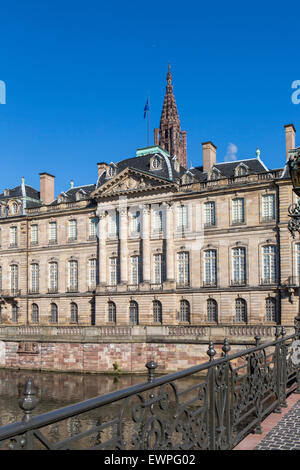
230,398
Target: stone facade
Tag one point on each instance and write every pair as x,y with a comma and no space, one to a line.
150,244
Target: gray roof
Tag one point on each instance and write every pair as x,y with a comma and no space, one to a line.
17,192
142,163
70,194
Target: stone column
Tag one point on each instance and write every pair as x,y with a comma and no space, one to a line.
102,247
170,272
123,234
146,244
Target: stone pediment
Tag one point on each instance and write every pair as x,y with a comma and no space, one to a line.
131,181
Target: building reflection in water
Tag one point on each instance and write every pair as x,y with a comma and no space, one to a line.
55,390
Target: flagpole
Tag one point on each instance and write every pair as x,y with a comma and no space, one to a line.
148,124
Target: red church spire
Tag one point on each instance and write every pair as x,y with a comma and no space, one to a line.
169,135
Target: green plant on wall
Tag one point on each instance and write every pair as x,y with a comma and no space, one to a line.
116,367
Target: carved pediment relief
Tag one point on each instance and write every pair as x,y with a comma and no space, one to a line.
129,181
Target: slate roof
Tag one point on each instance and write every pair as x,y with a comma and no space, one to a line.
17,192
70,194
142,163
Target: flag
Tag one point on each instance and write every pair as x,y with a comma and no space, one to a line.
146,108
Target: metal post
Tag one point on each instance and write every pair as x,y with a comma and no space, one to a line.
278,371
151,366
228,419
28,404
212,398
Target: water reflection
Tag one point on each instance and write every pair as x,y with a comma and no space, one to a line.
126,420
55,390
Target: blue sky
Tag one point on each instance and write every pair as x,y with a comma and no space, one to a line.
78,75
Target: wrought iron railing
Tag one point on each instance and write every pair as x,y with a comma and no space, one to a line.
229,398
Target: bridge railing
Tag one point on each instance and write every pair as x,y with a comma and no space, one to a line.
220,403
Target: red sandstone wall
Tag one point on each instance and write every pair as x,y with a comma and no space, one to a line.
131,357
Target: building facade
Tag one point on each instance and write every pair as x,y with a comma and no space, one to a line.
153,243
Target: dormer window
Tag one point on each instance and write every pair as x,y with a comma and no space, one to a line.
155,163
61,198
241,170
214,174
80,195
187,178
14,208
110,171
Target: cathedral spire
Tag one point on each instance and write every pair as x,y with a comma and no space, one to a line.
169,135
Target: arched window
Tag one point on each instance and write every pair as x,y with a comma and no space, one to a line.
112,312
241,310
35,313
157,311
54,313
74,313
271,309
133,313
212,310
185,311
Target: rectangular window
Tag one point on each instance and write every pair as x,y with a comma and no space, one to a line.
113,271
14,277
269,264
135,267
210,270
239,266
135,223
209,214
53,273
157,268
13,236
268,209
52,232
93,227
238,215
34,234
113,224
73,276
34,278
73,230
182,217
92,273
183,269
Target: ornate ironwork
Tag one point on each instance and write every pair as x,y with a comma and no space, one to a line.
294,214
229,397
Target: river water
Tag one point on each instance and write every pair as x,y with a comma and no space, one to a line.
56,390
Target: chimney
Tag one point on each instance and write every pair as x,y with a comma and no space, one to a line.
101,167
290,133
47,188
209,155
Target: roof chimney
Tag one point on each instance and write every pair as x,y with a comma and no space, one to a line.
47,188
209,155
101,167
290,133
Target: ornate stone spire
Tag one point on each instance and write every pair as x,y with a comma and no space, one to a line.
169,135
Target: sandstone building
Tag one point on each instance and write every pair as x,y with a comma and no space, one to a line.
153,243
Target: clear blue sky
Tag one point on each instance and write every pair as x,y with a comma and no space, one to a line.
78,75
